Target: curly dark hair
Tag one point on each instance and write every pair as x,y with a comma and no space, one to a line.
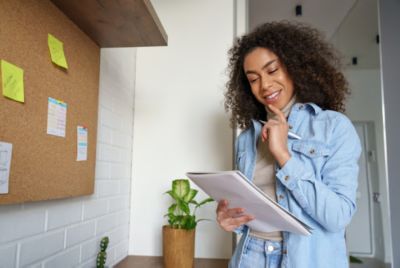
312,64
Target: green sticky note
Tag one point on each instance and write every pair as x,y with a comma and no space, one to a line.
12,78
56,48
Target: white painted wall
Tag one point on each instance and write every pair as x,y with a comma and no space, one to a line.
365,104
180,123
325,15
66,233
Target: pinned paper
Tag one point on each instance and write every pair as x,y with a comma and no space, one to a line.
12,78
82,143
56,48
5,163
56,117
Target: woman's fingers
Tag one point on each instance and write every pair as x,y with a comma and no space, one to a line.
266,127
231,218
229,213
222,206
278,112
264,133
231,224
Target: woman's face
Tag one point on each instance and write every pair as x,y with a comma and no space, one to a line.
268,78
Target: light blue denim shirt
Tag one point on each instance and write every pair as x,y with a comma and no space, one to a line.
317,184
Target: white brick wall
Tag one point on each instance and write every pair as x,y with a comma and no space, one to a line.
66,233
7,256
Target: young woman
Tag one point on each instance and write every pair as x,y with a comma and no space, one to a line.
287,75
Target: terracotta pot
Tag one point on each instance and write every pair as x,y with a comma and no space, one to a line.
178,247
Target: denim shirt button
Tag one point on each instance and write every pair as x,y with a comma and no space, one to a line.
286,178
301,107
270,248
290,127
281,196
312,151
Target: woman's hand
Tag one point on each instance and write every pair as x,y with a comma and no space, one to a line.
231,218
275,132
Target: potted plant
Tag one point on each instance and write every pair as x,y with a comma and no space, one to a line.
179,234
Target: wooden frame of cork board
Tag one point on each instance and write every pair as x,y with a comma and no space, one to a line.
44,166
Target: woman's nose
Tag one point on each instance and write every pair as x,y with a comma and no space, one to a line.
266,83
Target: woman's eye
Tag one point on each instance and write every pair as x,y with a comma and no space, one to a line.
273,71
253,80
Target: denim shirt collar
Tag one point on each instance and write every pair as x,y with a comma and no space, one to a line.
312,107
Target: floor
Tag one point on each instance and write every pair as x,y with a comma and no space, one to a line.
156,262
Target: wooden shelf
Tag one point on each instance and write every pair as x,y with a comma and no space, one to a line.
111,23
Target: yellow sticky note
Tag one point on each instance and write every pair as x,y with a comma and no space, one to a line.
56,48
12,78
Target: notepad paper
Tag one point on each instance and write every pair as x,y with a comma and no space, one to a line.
56,117
56,48
82,143
12,81
240,192
5,163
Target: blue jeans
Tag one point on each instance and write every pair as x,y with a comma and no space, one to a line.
260,253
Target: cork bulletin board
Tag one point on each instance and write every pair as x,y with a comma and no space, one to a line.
45,166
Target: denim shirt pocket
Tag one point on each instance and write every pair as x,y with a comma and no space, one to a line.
311,149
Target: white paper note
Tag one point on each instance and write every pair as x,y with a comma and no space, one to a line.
82,143
56,117
5,163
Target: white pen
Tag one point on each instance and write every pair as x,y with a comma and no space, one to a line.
290,134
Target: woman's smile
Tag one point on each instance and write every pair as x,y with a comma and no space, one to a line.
272,97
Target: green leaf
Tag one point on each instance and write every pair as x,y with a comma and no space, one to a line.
188,222
180,187
173,195
194,202
207,200
178,221
203,220
191,223
171,218
170,215
184,222
190,195
184,207
172,208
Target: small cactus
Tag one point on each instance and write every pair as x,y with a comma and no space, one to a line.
102,255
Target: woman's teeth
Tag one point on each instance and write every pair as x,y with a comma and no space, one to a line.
273,95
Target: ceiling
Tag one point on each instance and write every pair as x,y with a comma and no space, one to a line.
351,25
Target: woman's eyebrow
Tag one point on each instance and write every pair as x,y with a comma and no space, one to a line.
265,66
